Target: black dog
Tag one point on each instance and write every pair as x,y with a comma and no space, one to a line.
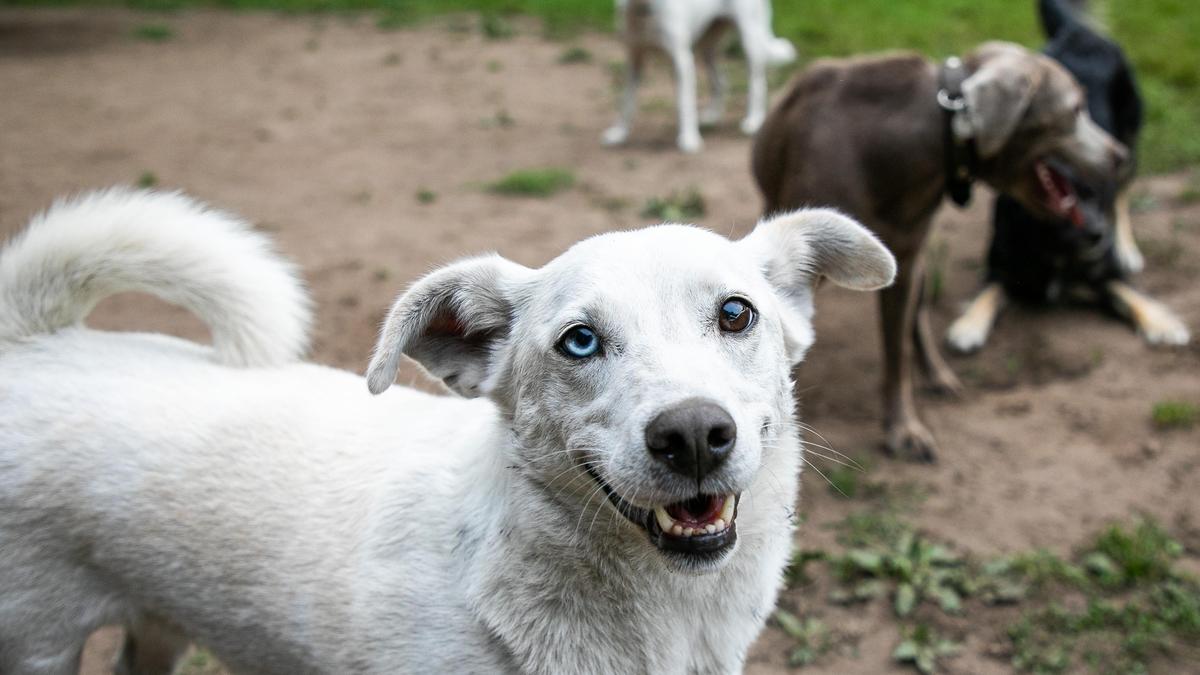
1092,253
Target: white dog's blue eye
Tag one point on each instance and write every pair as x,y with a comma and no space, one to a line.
579,342
735,316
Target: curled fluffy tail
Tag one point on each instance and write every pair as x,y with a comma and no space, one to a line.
212,263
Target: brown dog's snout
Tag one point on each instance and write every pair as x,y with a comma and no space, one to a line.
693,437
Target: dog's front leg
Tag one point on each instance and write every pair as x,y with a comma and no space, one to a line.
618,133
906,435
685,83
970,330
1129,258
1155,322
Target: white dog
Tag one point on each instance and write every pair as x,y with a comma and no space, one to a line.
613,495
675,27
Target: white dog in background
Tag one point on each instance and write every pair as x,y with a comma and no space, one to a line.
628,427
678,26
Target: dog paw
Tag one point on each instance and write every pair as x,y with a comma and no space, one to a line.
615,135
966,336
690,143
781,52
1129,259
750,124
944,382
911,440
1162,328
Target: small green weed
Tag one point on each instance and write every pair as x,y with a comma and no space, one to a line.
496,27
534,182
912,569
501,120
1123,559
426,196
676,207
922,647
154,32
811,635
575,54
147,180
1174,414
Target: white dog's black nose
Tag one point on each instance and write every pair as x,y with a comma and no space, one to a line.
692,437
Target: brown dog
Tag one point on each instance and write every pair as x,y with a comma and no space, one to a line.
884,138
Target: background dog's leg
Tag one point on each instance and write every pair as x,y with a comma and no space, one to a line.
939,373
151,648
618,133
1129,258
755,45
1155,322
970,330
906,435
685,84
716,83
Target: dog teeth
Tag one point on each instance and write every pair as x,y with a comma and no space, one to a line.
676,529
665,522
727,509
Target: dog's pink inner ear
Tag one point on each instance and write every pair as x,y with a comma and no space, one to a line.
446,324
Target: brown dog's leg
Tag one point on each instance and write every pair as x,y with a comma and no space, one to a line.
906,435
1157,324
935,368
151,648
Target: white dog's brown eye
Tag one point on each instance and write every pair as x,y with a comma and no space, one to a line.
735,315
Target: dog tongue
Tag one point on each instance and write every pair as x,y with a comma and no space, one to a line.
700,510
1060,196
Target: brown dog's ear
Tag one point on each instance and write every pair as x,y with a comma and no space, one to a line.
999,92
450,322
797,249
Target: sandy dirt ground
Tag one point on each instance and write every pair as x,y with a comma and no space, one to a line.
323,130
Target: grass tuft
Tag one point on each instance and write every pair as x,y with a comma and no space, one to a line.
534,182
1174,414
575,54
676,207
154,32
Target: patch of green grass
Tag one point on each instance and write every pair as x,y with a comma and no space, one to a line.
923,647
501,120
1123,558
154,32
844,480
147,180
1174,414
676,207
575,54
426,196
496,27
534,182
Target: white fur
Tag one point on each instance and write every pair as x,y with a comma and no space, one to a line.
293,523
675,27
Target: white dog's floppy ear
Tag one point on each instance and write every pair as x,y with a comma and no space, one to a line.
999,93
450,322
797,249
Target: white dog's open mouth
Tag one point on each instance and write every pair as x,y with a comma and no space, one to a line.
699,527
